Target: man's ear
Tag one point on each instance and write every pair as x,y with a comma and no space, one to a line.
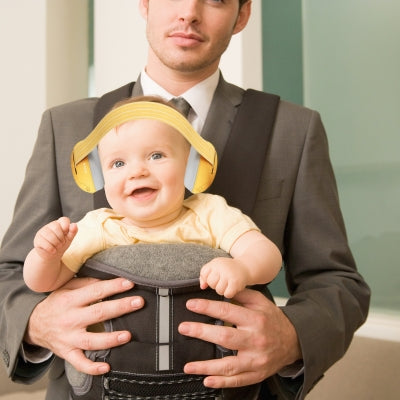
144,8
243,17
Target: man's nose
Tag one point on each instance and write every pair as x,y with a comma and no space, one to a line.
190,11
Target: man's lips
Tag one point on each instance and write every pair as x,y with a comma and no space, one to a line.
186,39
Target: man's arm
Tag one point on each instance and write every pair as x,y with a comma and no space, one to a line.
329,299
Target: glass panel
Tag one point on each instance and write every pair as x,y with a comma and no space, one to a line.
282,49
350,64
351,75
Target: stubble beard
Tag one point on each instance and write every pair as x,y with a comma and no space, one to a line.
184,65
185,60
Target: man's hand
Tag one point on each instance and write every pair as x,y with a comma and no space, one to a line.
59,322
263,336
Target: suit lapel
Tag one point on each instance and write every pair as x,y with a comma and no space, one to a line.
107,101
221,115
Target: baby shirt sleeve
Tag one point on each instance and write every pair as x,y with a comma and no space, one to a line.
225,223
87,242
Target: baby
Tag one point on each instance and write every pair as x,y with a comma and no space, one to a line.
143,148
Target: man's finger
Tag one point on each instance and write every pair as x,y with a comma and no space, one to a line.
226,366
222,310
81,363
225,372
88,290
253,300
232,313
102,340
229,337
110,309
220,382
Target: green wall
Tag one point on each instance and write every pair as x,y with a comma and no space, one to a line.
282,49
349,63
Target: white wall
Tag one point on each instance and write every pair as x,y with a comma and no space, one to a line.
22,82
44,48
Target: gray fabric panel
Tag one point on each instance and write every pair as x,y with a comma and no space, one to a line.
158,262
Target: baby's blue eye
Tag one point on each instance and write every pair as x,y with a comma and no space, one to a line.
118,164
156,156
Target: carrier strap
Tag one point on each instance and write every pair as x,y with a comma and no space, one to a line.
239,172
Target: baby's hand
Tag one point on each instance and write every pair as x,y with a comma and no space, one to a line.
226,275
54,238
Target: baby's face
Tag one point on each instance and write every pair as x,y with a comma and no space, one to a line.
144,163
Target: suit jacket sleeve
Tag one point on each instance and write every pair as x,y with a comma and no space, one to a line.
47,193
298,208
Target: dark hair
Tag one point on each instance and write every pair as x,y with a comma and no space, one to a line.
241,2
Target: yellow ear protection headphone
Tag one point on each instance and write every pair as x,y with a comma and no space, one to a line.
202,163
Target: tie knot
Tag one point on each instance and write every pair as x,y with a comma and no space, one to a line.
181,104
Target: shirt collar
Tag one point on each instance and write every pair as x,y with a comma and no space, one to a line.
198,96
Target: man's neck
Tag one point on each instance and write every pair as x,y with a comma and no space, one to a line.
177,82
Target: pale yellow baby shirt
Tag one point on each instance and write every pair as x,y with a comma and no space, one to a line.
205,219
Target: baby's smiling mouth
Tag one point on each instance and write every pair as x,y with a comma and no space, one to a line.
143,192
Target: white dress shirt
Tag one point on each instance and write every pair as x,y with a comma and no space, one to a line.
199,96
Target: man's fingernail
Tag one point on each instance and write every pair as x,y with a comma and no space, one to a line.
183,328
123,337
209,382
127,284
192,304
189,369
103,369
136,302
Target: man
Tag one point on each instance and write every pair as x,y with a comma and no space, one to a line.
297,207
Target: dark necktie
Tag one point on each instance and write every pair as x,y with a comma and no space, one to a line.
182,105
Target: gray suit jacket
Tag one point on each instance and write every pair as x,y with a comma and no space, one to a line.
297,207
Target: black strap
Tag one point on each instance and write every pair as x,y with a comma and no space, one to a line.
239,171
108,100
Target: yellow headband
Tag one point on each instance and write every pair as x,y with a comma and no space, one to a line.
82,168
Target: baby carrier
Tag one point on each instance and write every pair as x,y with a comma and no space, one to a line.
150,367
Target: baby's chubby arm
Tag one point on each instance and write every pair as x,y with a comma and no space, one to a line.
43,269
255,260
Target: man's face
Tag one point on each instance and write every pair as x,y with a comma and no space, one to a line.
190,35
